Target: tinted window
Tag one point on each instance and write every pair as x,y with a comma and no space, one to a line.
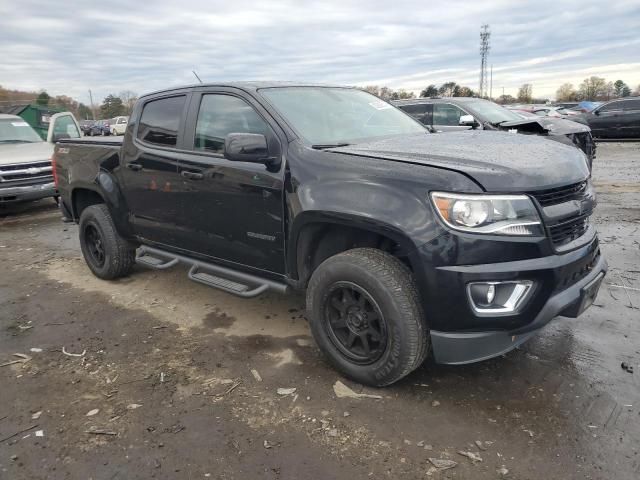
160,121
421,112
65,126
631,104
220,115
611,107
445,114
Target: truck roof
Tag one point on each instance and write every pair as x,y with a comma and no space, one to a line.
246,85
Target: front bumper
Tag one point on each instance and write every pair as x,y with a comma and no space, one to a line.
580,269
27,192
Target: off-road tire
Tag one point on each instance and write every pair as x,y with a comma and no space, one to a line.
390,283
119,255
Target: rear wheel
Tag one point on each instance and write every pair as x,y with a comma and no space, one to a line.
107,254
366,316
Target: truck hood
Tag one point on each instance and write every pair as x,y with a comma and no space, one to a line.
545,126
25,152
498,161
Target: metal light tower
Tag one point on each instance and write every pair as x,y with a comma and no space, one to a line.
485,35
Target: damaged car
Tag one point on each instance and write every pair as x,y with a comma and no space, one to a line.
466,113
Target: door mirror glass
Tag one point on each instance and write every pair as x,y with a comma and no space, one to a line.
246,147
467,121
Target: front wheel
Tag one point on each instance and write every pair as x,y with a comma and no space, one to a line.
107,254
365,315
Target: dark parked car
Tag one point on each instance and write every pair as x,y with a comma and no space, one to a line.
615,119
464,113
464,244
86,125
100,128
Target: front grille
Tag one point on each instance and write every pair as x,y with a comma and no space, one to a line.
567,232
557,195
25,173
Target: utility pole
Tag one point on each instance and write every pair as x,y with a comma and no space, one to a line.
485,35
491,84
93,109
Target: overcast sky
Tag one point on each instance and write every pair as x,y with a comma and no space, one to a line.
68,47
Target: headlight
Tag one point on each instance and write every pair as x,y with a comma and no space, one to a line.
489,214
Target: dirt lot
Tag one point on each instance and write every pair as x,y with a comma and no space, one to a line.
157,377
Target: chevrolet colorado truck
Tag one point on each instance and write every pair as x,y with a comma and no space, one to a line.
25,159
407,243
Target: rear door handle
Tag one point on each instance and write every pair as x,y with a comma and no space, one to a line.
134,166
192,175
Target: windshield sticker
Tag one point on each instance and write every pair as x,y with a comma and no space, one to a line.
20,124
380,105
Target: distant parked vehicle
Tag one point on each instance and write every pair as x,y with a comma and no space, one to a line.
119,125
25,159
553,111
100,127
465,113
566,104
85,126
615,119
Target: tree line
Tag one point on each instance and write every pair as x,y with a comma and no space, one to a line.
112,105
592,88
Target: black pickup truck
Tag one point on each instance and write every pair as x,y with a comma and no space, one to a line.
463,245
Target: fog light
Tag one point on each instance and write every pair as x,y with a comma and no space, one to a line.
495,298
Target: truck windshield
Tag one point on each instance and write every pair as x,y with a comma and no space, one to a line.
16,130
326,116
491,112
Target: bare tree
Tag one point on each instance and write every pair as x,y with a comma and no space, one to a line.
593,88
129,99
525,93
566,93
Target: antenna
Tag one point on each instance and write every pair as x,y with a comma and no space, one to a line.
194,72
485,35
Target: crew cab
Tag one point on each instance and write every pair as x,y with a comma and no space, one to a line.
408,244
25,159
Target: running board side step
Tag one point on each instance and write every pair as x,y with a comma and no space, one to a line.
226,279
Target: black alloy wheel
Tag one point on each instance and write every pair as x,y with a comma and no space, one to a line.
355,323
95,245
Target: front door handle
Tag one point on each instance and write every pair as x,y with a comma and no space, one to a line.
192,175
134,166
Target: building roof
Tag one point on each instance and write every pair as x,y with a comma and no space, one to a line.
13,109
4,116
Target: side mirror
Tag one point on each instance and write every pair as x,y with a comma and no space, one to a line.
246,147
596,112
467,121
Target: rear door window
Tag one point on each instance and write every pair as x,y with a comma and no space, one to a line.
611,107
631,105
446,114
160,121
423,112
221,115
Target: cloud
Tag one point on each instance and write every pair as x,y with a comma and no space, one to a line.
71,47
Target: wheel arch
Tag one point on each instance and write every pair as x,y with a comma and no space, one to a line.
319,235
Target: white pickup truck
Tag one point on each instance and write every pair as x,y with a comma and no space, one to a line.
25,159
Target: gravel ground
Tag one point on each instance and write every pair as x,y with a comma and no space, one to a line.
164,378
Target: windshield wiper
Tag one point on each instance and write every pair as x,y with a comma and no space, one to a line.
322,146
15,141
